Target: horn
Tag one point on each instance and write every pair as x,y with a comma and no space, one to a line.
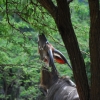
51,60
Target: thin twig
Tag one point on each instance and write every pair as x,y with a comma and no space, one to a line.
12,65
8,16
64,46
56,40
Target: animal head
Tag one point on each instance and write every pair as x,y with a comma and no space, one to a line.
48,53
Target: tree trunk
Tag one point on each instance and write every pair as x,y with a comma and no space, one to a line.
66,30
94,44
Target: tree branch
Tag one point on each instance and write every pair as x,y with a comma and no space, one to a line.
7,10
49,6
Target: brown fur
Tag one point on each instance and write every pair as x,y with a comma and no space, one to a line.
47,79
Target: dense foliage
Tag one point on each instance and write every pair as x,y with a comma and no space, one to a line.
20,23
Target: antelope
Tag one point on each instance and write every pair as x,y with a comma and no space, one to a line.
52,85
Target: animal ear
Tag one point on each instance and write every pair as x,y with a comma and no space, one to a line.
60,58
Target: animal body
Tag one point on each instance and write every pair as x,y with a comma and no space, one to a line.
55,87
